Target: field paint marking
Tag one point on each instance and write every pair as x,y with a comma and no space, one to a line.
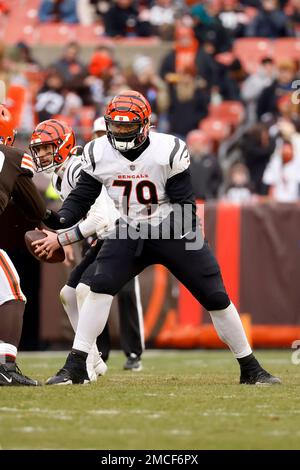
180,432
5,408
127,431
29,429
154,416
104,412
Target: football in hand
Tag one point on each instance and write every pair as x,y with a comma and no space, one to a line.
58,255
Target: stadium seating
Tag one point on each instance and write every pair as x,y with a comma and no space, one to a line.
250,51
216,129
287,48
231,112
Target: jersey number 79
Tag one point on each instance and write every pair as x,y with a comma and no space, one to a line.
141,188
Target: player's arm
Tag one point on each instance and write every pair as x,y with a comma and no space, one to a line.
179,188
77,204
28,199
95,222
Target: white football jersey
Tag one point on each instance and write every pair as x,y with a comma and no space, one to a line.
64,178
138,188
102,213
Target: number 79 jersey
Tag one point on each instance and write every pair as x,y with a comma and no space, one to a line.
138,188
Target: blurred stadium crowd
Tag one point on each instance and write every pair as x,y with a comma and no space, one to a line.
228,84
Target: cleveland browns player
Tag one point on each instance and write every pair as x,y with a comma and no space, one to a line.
147,176
16,188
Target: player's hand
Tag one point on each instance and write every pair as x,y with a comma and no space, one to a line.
46,245
69,255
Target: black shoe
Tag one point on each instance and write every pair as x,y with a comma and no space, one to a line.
259,377
73,372
10,375
133,363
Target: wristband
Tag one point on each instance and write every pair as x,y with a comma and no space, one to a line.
70,236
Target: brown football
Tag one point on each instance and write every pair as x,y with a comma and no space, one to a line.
33,235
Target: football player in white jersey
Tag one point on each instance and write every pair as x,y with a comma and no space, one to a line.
146,174
130,307
53,148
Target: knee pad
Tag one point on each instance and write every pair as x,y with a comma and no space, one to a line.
216,301
104,284
82,290
67,295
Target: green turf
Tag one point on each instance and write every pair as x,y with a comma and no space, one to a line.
181,400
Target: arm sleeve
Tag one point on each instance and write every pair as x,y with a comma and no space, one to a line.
179,190
77,204
28,199
179,187
96,218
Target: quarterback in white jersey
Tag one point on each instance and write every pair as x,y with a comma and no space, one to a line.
47,143
150,170
52,145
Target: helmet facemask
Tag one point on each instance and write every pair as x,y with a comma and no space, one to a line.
8,140
39,160
127,119
125,136
58,141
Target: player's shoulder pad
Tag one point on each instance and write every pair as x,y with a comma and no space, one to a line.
27,163
92,153
19,158
173,152
72,170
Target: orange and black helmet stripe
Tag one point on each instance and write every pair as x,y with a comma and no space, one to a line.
46,128
132,102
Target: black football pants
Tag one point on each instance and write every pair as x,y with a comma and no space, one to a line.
120,260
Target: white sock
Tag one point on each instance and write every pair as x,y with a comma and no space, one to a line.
82,291
7,349
69,301
92,319
229,327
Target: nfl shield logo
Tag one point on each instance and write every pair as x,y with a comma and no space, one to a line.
132,167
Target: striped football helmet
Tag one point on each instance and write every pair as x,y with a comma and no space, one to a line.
127,119
60,138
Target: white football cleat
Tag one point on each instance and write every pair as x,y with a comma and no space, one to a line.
100,368
95,364
91,373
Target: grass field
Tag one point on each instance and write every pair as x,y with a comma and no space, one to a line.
181,400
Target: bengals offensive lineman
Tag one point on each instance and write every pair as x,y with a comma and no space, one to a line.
147,176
